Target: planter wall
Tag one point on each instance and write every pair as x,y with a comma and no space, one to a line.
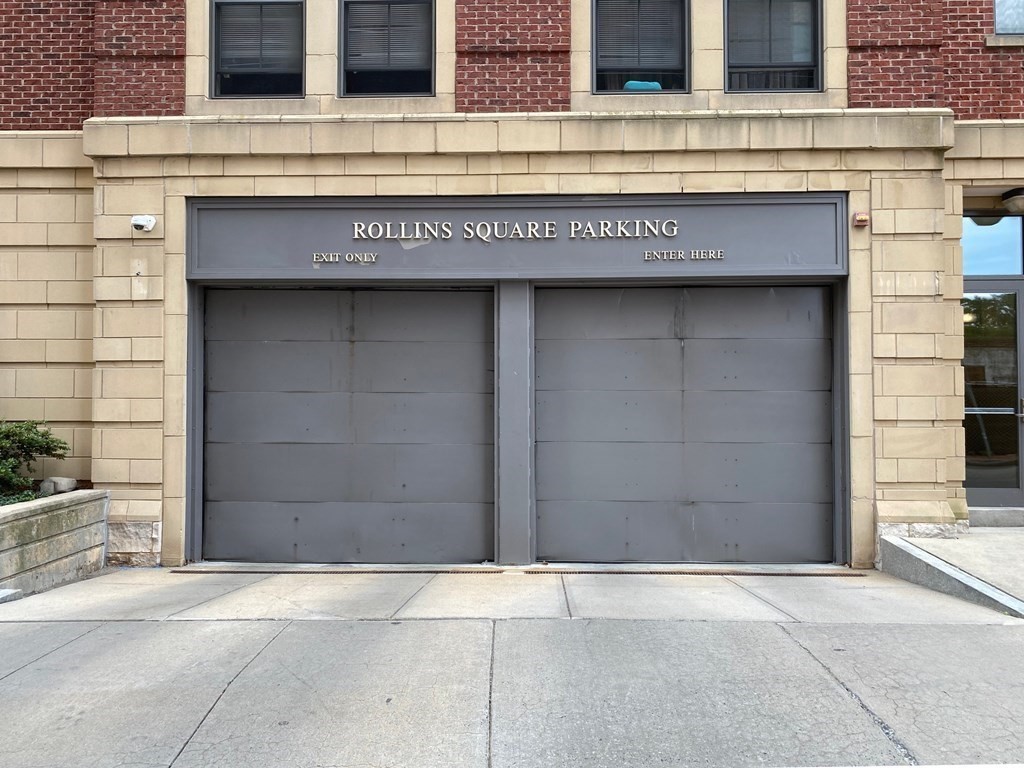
52,541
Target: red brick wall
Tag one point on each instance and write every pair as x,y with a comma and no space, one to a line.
981,82
62,61
512,56
140,57
46,57
932,53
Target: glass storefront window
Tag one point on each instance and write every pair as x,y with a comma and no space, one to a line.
993,245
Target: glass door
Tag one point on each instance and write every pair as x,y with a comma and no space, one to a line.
992,395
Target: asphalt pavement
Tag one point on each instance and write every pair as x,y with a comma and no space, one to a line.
487,669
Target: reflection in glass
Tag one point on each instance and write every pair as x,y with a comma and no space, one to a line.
1010,17
990,372
991,450
993,245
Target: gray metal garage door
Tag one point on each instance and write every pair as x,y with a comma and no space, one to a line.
684,424
348,426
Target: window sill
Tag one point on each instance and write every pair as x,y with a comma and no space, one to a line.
1004,41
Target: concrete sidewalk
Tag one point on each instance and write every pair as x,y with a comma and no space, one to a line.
513,669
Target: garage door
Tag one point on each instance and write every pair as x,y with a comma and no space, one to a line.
684,424
348,426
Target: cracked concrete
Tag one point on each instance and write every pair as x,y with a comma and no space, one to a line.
152,668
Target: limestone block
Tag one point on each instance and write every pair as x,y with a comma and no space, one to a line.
346,185
100,139
46,207
528,183
142,410
296,186
916,470
713,182
720,133
654,135
810,160
407,185
404,138
227,186
498,164
588,183
912,255
433,165
917,380
22,291
931,531
127,322
471,136
529,136
145,471
218,138
906,317
130,443
1002,140
907,511
967,142
69,292
628,162
594,136
917,284
147,349
69,351
664,162
44,382
467,185
131,382
782,133
887,470
650,183
375,165
915,345
23,351
770,181
159,139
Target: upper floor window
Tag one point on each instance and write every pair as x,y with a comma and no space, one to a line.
640,45
257,48
773,45
1009,17
388,47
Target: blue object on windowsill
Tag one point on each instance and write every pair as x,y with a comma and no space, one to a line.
641,85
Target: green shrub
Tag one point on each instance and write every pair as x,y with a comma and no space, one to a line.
21,443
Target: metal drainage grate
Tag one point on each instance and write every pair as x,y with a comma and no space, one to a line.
486,572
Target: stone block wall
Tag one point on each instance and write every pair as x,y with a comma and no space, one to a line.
52,541
46,291
904,381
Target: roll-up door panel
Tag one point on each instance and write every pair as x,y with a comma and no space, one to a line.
349,426
684,424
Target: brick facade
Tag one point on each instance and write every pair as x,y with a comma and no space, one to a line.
67,60
934,53
512,57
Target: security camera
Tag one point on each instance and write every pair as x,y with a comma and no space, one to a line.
143,223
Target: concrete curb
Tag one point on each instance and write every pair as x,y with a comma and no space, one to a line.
903,560
997,517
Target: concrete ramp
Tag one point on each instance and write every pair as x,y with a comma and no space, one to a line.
919,561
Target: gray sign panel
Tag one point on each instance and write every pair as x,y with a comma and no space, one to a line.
636,237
